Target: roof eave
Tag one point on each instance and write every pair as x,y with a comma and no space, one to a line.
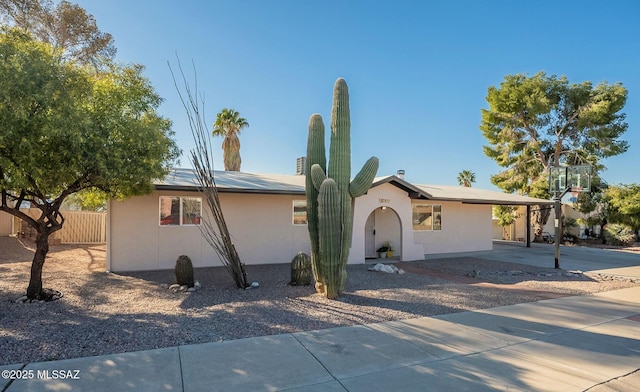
186,188
413,191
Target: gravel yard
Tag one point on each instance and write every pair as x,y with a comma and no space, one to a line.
104,313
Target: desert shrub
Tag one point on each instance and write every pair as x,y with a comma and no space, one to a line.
619,234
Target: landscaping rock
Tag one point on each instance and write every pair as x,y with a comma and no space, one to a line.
22,299
390,269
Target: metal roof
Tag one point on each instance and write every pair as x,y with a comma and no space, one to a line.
472,195
242,182
462,194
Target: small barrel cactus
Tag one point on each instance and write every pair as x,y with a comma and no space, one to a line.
301,270
184,271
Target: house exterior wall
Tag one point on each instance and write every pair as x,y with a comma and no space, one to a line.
261,226
263,230
465,228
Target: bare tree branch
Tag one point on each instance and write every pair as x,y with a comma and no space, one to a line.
213,226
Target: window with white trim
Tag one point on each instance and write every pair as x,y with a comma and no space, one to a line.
180,211
299,212
427,216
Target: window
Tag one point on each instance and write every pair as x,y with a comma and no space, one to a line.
299,212
191,210
427,216
180,211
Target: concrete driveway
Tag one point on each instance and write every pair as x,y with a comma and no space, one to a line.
605,261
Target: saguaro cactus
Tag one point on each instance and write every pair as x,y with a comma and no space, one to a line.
330,194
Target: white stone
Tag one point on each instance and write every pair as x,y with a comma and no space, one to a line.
191,289
390,269
22,299
255,285
196,284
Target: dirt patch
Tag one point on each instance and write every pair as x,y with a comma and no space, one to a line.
14,250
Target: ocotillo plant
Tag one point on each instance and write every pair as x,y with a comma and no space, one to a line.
330,194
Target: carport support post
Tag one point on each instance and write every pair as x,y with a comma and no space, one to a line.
558,219
558,222
528,226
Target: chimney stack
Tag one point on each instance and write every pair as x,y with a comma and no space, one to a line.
401,174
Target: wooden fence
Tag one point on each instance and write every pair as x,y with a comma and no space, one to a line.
80,227
5,224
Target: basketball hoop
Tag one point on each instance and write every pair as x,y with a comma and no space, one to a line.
565,179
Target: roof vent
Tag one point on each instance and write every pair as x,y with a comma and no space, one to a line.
301,164
401,174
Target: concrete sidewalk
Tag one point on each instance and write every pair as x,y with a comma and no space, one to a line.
566,344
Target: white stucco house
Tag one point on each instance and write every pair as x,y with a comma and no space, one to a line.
266,215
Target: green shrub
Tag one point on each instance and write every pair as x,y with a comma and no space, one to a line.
619,234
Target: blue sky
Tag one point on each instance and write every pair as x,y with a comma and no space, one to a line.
418,71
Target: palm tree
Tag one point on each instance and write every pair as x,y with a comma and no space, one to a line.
228,125
466,178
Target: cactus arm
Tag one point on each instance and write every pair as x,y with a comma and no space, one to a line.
363,180
315,143
315,156
317,176
329,223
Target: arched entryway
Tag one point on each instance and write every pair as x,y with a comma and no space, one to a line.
383,224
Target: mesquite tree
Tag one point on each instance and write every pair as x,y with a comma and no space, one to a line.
65,128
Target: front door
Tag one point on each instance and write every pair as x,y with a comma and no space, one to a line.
370,237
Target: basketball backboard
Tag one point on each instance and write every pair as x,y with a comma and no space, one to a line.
570,178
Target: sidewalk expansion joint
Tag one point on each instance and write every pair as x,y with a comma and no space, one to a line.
320,362
6,387
181,374
612,379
